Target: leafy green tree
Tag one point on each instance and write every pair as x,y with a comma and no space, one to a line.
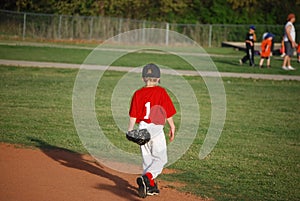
264,12
179,11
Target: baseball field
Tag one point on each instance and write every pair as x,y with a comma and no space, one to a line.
256,157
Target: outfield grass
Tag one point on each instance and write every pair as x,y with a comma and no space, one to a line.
225,59
46,54
256,158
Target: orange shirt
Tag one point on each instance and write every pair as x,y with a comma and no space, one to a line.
266,48
298,49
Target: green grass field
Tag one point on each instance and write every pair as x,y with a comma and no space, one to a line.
225,59
256,158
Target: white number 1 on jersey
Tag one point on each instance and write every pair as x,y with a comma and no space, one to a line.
147,105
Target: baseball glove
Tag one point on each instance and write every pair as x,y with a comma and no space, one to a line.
140,137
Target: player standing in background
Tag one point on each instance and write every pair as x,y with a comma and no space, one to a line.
289,42
151,107
266,50
250,39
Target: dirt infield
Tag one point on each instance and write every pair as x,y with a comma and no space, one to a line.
62,175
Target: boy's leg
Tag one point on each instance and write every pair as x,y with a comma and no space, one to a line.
261,62
154,158
268,62
155,155
246,57
146,154
251,56
154,163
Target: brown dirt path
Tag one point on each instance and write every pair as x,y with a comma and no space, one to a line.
61,175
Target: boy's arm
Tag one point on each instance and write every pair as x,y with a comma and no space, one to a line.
172,128
131,123
250,42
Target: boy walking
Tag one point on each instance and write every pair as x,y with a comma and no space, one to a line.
249,40
151,107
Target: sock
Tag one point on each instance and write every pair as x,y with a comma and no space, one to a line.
150,177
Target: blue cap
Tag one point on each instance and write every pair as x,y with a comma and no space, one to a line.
151,70
252,27
269,35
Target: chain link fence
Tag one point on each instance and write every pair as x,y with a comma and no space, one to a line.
62,27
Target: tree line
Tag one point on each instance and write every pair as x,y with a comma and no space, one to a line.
173,11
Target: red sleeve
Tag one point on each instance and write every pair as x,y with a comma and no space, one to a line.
168,106
133,107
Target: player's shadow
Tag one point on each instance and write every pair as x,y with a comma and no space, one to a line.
228,62
75,160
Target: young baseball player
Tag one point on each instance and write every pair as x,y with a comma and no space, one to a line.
249,40
151,107
266,50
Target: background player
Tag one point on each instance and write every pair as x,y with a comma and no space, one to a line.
151,107
266,50
249,40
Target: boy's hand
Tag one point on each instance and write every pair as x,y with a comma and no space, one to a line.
171,134
172,129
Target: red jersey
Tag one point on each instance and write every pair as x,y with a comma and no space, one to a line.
151,105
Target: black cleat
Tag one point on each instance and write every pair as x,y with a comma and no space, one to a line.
142,191
152,190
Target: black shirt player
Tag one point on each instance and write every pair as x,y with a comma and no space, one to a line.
249,40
